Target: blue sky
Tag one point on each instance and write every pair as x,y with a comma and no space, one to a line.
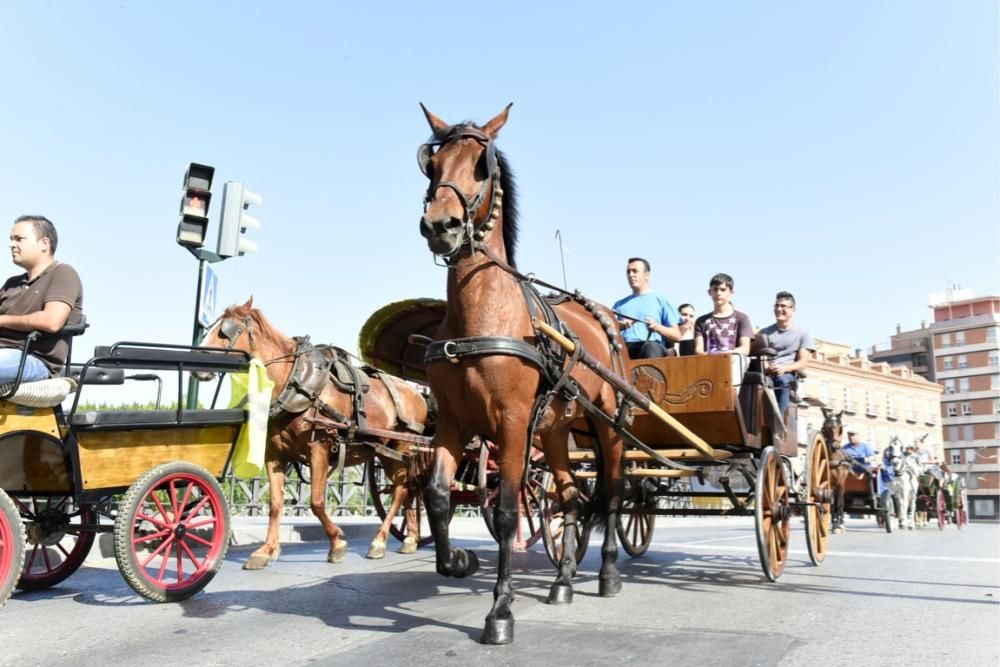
847,152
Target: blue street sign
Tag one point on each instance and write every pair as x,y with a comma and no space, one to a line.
207,298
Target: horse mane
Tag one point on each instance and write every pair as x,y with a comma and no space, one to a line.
507,183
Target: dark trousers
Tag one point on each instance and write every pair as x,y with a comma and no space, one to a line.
646,349
782,390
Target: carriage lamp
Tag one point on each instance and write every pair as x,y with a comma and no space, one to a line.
196,195
236,199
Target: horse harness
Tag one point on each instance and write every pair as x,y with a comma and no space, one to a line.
314,368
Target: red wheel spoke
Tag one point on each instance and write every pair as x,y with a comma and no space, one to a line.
199,540
45,557
61,548
191,556
153,520
184,501
180,561
195,510
154,536
31,558
159,507
206,521
156,552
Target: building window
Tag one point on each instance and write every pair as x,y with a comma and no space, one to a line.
991,334
966,409
963,361
963,385
996,406
995,381
959,338
947,363
911,414
945,340
870,403
956,458
952,410
967,433
949,386
920,360
994,359
848,402
952,434
890,409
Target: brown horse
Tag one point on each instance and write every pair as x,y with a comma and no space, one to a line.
840,464
311,438
493,376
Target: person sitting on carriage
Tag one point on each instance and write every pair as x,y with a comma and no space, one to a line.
725,329
861,452
649,321
43,298
793,348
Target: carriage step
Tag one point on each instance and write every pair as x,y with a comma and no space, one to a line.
640,472
633,455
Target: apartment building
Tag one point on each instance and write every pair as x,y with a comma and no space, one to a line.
879,401
966,358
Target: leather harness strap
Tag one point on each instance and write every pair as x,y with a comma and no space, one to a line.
477,346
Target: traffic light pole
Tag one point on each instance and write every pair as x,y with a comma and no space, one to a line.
203,257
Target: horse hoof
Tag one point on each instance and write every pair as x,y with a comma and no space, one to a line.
498,631
560,594
376,550
256,562
610,587
409,546
338,553
466,563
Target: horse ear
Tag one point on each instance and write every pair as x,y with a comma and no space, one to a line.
438,126
248,305
492,128
826,412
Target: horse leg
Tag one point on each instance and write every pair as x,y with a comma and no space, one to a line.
271,548
319,466
838,509
511,443
437,498
610,492
397,474
554,445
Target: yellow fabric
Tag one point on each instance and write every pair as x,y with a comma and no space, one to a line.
255,386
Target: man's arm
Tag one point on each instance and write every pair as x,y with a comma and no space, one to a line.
671,332
51,318
743,347
802,358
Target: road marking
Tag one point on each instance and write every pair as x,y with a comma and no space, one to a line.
855,554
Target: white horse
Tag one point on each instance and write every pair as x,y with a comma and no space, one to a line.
905,486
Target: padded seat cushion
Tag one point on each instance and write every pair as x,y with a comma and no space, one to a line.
123,419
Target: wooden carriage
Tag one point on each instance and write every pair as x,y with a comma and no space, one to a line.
147,476
703,419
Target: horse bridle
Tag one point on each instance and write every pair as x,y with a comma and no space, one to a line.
473,233
232,330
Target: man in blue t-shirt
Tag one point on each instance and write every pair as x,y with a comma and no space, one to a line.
647,319
861,452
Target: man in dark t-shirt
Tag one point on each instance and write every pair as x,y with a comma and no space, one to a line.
44,298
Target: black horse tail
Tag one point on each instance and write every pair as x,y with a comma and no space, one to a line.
432,413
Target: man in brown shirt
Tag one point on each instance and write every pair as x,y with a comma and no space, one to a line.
44,298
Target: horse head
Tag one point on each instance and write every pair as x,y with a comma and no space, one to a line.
468,180
833,428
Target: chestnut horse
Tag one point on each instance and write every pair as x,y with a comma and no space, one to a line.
493,376
309,438
840,464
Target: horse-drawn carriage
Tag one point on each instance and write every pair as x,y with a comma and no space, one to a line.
943,497
147,476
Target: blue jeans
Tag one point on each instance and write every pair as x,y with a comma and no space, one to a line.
782,390
10,358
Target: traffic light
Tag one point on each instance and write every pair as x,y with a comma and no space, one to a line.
195,198
237,198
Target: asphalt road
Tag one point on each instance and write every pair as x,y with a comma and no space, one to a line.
697,597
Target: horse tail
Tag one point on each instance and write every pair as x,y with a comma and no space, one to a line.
594,511
432,413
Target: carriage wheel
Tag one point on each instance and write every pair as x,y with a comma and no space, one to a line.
11,547
888,511
942,509
57,542
381,489
772,513
818,496
553,520
635,521
172,532
529,499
